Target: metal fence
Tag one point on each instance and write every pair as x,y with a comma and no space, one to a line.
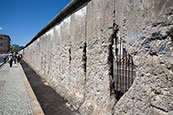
123,68
124,75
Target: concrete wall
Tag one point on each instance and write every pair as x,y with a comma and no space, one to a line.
145,25
74,57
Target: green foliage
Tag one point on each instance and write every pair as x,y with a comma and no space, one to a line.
16,48
13,49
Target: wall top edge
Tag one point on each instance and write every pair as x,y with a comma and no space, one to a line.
72,7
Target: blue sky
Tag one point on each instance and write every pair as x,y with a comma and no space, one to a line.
23,19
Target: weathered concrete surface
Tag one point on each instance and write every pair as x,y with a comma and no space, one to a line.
75,56
146,27
99,37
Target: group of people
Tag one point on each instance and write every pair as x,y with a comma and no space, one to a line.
12,56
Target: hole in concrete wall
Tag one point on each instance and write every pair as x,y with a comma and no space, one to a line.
169,33
70,55
84,57
123,68
110,59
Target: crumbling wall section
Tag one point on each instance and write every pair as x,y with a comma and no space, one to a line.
145,26
99,38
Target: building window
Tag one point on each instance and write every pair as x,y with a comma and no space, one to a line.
1,38
1,44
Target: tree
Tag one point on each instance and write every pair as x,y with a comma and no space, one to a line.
13,49
16,48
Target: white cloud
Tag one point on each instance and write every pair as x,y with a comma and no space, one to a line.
0,28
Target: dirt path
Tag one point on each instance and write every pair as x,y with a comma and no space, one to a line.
50,101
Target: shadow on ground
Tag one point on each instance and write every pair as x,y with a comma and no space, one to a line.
50,101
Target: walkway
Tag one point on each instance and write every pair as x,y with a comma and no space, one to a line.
16,96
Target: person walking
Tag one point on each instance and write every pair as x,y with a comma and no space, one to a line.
10,59
14,57
4,57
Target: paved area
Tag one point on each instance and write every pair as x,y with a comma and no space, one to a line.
17,96
14,99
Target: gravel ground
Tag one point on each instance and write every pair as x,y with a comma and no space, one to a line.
50,101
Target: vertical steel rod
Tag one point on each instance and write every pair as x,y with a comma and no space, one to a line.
123,81
129,71
132,71
116,41
126,71
120,67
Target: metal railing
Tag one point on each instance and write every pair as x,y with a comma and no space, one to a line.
2,61
124,75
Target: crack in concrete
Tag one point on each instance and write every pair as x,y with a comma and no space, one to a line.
159,108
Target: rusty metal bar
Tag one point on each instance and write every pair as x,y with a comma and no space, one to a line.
126,73
120,66
132,71
116,52
123,81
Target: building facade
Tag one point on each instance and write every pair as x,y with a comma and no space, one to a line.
4,43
